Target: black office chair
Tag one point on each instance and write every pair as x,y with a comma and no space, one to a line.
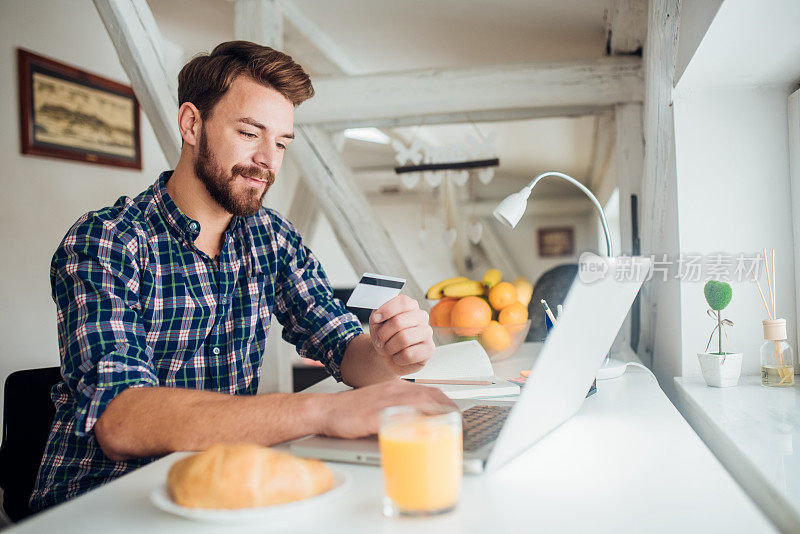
304,376
27,417
553,287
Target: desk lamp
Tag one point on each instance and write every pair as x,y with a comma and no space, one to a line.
510,211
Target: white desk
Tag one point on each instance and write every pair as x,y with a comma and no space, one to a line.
627,462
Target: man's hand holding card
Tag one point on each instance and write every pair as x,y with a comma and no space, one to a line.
399,329
401,334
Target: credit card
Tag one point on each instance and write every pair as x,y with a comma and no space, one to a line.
375,290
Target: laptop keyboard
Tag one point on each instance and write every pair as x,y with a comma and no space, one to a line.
482,425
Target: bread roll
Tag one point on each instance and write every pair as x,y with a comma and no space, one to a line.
245,475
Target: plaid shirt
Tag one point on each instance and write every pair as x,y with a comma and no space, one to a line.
140,306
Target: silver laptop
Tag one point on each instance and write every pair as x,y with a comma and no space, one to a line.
497,431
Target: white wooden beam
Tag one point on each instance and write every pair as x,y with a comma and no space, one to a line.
627,26
629,151
259,21
627,33
319,38
363,238
367,100
604,136
492,115
658,223
133,30
630,166
303,211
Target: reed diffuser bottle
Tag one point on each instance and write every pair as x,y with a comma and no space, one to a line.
777,358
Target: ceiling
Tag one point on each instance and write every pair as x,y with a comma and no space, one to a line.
391,35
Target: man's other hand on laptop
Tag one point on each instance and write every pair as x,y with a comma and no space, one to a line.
401,335
354,413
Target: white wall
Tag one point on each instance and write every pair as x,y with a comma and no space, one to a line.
733,197
522,243
42,197
325,245
731,146
794,178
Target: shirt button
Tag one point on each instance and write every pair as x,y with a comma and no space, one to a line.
192,226
216,351
223,300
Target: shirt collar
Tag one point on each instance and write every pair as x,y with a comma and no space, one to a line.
178,221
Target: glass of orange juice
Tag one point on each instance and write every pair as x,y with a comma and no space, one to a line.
421,455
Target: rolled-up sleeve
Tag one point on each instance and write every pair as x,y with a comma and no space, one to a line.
314,321
95,284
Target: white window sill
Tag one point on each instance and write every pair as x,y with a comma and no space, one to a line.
755,433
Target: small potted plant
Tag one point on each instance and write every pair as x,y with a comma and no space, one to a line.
720,369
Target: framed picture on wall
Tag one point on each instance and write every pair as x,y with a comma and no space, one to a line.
66,112
556,242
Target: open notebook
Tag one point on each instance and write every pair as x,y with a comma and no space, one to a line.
464,361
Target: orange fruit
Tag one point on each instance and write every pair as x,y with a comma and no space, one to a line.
470,316
502,295
440,313
516,313
495,338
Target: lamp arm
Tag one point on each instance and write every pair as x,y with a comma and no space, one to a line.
588,193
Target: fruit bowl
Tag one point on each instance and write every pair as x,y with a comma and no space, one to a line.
499,341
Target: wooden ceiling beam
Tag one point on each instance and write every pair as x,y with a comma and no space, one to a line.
627,27
133,30
258,21
319,38
461,94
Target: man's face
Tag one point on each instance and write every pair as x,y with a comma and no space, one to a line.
241,145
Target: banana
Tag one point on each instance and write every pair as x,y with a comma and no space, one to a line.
470,288
435,292
491,278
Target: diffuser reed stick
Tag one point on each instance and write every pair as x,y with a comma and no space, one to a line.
762,295
769,284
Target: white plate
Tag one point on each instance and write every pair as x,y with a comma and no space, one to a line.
161,499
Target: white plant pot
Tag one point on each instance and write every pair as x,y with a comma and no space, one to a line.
720,374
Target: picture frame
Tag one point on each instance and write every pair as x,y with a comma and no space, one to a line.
556,241
69,113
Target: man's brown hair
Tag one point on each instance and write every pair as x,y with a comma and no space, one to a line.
206,78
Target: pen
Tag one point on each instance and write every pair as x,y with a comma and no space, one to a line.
452,382
548,312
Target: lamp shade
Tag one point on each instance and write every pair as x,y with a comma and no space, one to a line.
511,209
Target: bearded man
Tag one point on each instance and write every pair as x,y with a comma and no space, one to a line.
164,300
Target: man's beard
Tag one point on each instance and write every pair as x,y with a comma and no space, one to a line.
221,185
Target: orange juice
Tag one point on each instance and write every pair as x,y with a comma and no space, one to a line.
422,461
